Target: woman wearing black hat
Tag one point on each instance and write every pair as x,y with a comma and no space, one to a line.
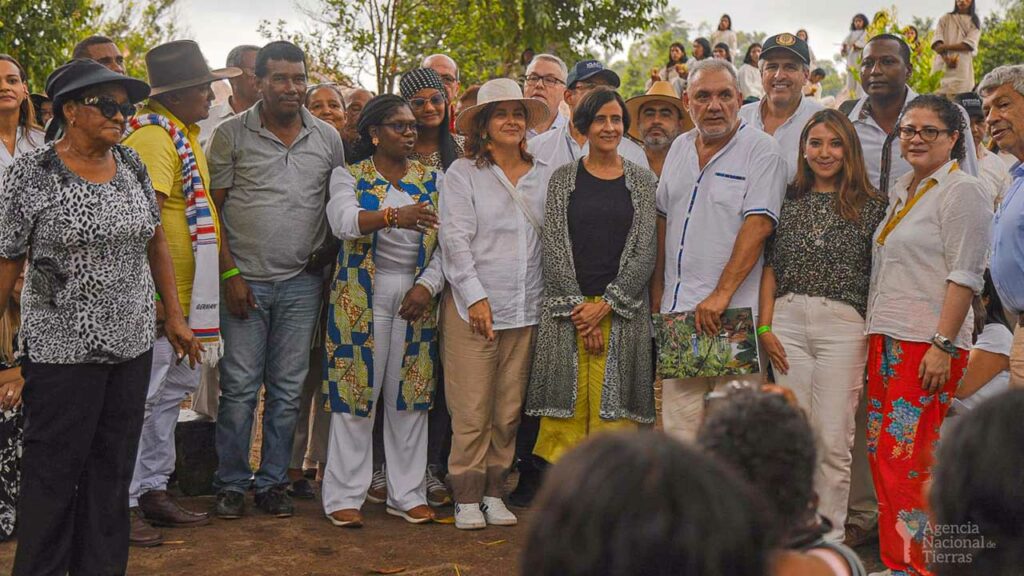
85,211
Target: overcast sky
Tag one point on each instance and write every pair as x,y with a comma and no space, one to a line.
220,25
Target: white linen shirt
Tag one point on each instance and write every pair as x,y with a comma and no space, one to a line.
788,134
704,210
489,248
24,141
559,121
396,250
218,114
873,142
557,148
995,175
944,238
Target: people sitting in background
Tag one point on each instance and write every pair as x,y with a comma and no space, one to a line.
988,366
725,35
629,504
749,75
675,70
813,88
769,442
976,485
701,49
721,51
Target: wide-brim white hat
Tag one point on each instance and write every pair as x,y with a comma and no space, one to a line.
503,90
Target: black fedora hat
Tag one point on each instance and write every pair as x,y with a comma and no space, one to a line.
180,64
80,73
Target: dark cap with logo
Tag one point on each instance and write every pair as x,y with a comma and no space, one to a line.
971,103
586,69
788,42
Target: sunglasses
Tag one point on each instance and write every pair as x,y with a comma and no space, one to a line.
435,101
110,107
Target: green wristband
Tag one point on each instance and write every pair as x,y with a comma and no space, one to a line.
156,296
764,329
229,274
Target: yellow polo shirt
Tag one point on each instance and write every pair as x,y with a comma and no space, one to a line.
157,151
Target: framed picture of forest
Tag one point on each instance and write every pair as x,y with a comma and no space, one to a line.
683,353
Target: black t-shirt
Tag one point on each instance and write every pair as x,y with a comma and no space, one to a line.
600,216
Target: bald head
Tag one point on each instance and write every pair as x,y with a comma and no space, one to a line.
448,70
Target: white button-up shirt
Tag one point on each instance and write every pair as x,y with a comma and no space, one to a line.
704,210
788,134
24,141
218,114
882,153
943,238
557,148
559,121
489,248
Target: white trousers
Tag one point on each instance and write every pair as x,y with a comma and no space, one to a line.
682,401
350,448
169,384
827,352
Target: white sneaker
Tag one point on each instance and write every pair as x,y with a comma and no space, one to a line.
378,492
496,513
469,517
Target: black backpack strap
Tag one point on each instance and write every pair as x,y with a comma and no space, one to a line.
848,105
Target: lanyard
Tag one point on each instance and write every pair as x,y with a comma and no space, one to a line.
896,217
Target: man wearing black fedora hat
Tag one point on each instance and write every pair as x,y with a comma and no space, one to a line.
166,136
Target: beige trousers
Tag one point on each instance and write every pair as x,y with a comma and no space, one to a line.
485,384
682,401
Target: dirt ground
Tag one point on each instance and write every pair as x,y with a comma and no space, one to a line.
308,545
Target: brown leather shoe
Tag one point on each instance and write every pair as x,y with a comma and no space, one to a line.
141,534
161,510
348,518
419,515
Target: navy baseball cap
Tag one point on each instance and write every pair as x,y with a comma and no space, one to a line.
585,69
971,103
788,42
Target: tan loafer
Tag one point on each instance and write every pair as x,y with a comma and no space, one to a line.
418,515
348,518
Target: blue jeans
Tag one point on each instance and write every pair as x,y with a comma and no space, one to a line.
270,348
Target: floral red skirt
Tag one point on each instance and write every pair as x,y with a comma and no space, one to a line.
903,430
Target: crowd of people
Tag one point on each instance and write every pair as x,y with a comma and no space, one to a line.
433,288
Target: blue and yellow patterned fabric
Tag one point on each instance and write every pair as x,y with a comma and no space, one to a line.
348,382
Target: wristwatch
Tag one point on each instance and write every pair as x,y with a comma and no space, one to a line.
944,344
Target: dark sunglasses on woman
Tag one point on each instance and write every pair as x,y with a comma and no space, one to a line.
110,107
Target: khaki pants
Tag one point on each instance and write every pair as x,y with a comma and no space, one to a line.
1017,357
682,401
485,384
863,508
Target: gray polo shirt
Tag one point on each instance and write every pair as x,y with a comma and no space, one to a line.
275,211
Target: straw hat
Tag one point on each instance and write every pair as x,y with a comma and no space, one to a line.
660,91
503,90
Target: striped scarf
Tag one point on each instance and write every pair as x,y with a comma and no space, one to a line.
204,310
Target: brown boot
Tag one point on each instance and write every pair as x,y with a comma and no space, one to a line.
161,510
141,534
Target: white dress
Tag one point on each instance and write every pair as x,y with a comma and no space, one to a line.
954,29
854,44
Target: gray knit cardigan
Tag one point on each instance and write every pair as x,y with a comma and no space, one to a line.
628,390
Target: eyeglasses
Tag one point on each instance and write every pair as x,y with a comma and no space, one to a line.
448,79
549,81
928,133
401,127
435,101
110,107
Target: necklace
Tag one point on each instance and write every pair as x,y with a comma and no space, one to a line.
821,223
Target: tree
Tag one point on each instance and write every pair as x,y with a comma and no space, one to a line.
651,51
1002,39
324,55
136,27
36,33
924,79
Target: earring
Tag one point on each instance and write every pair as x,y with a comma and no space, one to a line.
375,141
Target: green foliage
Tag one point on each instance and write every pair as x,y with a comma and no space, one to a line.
651,51
832,85
42,33
37,33
323,50
924,80
1002,39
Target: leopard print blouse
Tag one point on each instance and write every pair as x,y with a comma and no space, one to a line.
88,295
